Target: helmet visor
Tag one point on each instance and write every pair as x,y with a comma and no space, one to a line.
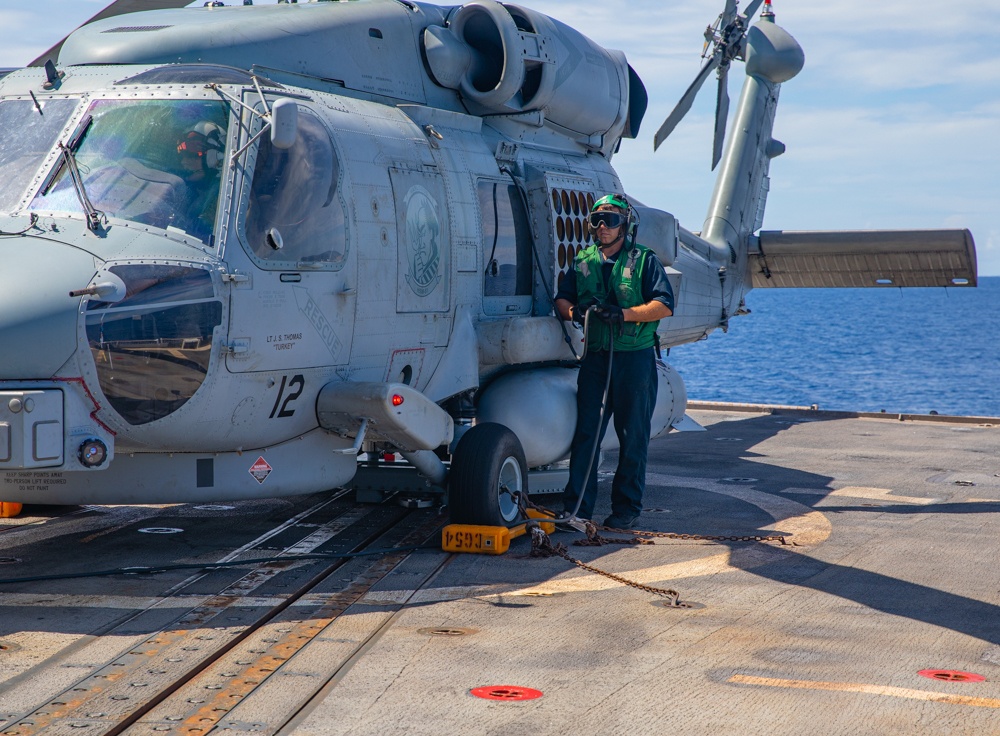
609,219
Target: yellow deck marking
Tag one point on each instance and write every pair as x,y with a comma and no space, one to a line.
859,687
881,494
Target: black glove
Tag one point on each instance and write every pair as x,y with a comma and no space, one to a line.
611,315
579,311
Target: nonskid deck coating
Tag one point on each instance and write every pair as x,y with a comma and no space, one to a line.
893,571
896,573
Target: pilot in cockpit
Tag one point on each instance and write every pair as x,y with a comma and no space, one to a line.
201,152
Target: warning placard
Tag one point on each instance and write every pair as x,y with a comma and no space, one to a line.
260,470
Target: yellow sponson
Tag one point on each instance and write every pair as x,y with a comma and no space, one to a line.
9,509
489,540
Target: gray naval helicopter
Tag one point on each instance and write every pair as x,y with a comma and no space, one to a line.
266,250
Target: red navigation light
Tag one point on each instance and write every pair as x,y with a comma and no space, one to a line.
397,399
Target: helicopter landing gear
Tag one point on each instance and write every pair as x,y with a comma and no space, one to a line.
488,476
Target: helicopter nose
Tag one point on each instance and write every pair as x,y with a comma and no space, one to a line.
38,318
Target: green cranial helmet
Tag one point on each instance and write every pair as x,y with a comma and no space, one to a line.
631,216
615,200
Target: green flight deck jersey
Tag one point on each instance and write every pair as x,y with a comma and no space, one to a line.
626,281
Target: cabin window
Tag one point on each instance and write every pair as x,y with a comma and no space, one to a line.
152,349
155,162
295,215
29,135
506,247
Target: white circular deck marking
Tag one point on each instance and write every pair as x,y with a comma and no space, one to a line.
160,530
799,524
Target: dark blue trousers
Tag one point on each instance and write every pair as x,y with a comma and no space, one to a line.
631,398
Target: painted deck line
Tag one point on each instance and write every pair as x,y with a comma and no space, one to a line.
859,687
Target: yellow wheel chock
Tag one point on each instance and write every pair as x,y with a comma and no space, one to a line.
9,509
489,540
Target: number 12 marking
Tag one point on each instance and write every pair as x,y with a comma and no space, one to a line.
291,396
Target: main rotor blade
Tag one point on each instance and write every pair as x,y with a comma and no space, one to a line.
118,7
751,9
721,115
687,99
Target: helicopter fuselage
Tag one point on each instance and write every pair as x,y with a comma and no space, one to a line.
235,321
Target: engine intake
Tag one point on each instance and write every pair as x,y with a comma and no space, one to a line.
504,58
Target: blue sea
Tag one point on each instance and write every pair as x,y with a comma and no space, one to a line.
898,350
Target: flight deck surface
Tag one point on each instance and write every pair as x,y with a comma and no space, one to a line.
889,571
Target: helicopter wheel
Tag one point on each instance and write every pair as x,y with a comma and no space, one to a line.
488,472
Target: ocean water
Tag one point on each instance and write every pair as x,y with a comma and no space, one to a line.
898,350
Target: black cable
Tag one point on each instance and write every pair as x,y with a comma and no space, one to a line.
600,420
32,219
538,263
496,230
138,570
569,341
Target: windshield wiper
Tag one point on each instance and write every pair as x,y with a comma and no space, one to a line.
93,214
73,143
68,161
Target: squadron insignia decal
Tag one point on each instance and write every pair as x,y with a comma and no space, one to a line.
423,241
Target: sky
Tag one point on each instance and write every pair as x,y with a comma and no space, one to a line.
893,122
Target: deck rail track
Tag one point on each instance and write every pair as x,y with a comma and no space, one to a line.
190,675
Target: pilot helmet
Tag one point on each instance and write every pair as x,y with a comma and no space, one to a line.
205,141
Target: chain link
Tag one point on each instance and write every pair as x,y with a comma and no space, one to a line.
698,537
541,546
639,534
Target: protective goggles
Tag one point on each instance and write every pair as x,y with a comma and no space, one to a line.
609,219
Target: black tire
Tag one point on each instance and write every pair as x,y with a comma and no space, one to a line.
488,467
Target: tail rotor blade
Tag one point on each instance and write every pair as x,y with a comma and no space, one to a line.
687,99
721,115
751,9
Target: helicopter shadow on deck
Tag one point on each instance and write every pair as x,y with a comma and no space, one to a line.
724,454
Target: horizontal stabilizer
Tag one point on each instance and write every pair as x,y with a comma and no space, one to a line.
864,258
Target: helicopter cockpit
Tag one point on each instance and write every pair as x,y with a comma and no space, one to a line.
154,162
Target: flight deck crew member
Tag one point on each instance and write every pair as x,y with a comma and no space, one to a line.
628,287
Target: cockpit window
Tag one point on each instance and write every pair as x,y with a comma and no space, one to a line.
295,215
196,73
28,135
152,349
155,162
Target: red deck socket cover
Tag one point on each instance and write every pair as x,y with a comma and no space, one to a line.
951,675
506,692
